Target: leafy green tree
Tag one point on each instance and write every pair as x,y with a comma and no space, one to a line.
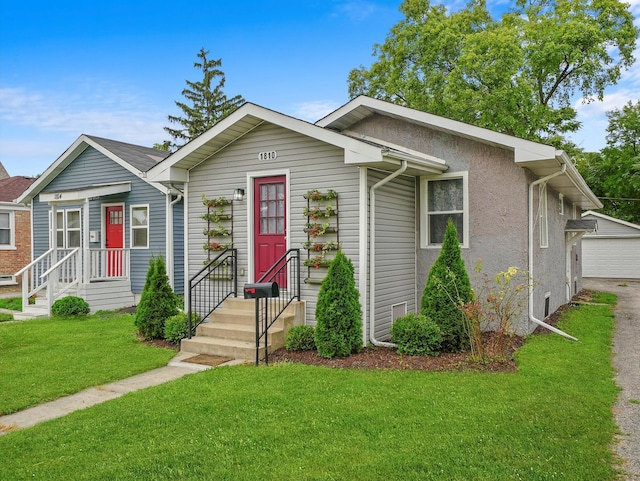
338,312
515,75
614,173
207,104
157,303
448,287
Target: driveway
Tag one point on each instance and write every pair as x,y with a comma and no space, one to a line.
626,360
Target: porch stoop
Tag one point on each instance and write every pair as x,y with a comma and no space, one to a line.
39,309
230,331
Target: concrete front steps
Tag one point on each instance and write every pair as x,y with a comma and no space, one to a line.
230,331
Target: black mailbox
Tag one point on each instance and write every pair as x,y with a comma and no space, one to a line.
261,289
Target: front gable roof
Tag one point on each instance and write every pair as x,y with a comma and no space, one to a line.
134,158
12,187
539,158
250,116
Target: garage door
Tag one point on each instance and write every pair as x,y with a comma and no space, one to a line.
611,258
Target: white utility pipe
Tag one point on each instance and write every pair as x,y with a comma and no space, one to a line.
169,236
372,256
531,278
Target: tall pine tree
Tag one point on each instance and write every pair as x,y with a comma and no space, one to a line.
206,104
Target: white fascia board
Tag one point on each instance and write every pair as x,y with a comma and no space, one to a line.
170,175
82,194
578,180
13,206
612,219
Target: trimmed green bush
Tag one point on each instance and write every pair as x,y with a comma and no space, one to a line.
158,302
70,306
176,328
300,338
416,335
338,312
448,286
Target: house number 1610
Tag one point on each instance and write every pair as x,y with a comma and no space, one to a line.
273,155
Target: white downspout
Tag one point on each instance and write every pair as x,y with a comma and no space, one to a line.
372,255
169,236
531,277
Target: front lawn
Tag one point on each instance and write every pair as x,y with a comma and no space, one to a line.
41,360
550,420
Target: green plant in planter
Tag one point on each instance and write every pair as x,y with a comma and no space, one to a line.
338,311
213,203
316,195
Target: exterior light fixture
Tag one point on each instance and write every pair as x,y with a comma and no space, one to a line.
238,194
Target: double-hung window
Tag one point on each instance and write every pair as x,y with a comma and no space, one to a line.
7,235
444,197
68,231
139,226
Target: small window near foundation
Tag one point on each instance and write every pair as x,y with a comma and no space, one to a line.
398,310
547,304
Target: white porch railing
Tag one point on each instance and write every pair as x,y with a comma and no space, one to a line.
57,270
108,264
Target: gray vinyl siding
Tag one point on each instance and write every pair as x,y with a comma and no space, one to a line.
90,168
395,256
612,229
311,164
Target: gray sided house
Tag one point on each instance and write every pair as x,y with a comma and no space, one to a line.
381,181
96,223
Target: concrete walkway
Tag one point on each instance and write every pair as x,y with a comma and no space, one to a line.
626,360
177,368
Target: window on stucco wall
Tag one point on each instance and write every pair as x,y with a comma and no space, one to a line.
444,197
544,220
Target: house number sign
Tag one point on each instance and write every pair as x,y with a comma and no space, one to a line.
273,155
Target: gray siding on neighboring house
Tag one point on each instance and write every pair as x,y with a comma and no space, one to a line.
395,259
610,228
312,165
90,168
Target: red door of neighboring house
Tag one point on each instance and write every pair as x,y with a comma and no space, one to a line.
114,239
270,227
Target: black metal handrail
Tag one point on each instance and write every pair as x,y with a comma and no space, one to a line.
209,288
286,273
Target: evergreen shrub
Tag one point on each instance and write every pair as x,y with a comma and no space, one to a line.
416,335
158,302
448,287
70,306
176,328
300,338
338,312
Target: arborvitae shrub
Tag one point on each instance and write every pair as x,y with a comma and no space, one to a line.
448,286
300,338
158,302
416,335
338,312
70,306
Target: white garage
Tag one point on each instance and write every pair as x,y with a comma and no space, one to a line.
613,250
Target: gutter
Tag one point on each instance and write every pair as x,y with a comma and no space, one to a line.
169,236
532,318
372,255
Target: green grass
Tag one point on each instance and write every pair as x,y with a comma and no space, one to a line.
604,298
41,360
550,420
13,303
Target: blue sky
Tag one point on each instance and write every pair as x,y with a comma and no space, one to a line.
114,69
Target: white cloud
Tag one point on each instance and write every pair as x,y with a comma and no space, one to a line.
357,10
315,110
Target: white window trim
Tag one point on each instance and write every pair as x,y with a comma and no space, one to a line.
11,280
64,228
424,225
544,216
561,205
132,227
11,246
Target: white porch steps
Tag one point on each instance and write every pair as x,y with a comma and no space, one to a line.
230,331
39,309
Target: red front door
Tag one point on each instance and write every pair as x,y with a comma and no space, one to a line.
114,239
270,207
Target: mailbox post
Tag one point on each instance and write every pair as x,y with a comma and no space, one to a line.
257,291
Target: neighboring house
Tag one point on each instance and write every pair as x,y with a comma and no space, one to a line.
98,221
398,174
613,250
15,230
